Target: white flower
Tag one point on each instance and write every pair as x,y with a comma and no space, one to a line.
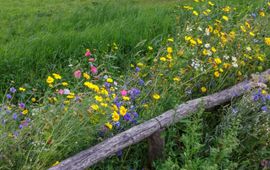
248,49
209,53
66,91
234,64
189,29
200,29
226,57
207,45
234,59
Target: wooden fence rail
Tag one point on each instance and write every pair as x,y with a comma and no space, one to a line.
137,133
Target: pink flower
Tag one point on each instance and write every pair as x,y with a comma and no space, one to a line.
88,53
78,74
124,92
93,69
91,60
61,91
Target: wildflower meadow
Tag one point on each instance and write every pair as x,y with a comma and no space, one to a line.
75,73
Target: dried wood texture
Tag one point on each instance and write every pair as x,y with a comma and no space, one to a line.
135,134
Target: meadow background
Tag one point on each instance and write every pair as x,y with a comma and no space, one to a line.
157,52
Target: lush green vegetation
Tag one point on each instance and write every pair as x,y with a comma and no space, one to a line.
144,57
39,36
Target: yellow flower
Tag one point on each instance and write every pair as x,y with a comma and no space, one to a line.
66,102
226,9
104,104
125,98
252,34
169,50
225,18
65,84
193,42
264,92
262,13
176,79
108,125
22,89
109,80
156,96
86,76
50,80
94,107
195,13
114,107
71,96
218,60
188,7
25,112
170,39
56,163
140,64
210,3
33,99
199,41
247,24
99,98
115,116
243,28
213,49
205,52
162,59
216,74
232,34
187,38
203,89
123,110
150,48
56,76
267,41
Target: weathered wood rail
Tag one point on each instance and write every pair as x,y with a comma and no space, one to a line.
137,133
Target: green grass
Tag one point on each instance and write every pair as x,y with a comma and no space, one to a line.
37,37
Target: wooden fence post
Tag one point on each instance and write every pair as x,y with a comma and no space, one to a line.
155,148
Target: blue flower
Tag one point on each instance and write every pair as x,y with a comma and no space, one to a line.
9,96
12,90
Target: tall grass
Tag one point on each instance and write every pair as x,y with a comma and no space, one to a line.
41,36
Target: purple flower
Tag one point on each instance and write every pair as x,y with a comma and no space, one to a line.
127,117
253,15
15,116
12,90
134,92
119,153
264,108
141,82
22,105
137,69
21,126
107,85
9,96
135,114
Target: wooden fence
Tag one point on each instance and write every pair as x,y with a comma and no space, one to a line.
151,128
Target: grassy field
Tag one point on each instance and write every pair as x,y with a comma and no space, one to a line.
41,36
145,57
